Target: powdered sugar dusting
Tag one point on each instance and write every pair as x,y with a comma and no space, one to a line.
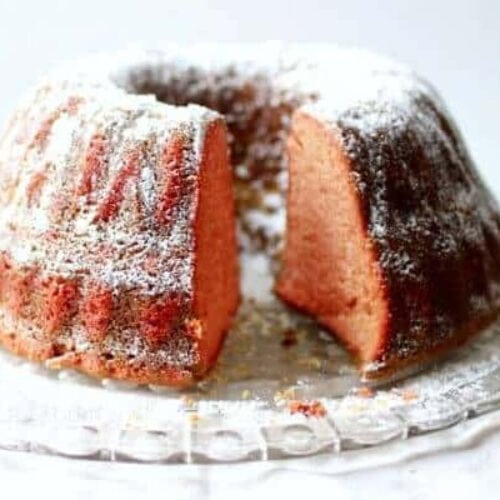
371,103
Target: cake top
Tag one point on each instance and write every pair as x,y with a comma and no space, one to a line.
326,79
99,114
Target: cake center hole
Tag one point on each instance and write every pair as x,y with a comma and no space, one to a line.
258,120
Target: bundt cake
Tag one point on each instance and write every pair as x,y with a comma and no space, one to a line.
117,217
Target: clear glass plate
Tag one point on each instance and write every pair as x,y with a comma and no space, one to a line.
273,361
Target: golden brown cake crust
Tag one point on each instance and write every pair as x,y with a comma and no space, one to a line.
99,186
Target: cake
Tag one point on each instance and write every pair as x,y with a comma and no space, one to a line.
117,218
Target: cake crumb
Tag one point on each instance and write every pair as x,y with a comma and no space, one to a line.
289,338
284,395
311,362
194,418
407,394
307,408
188,402
410,394
364,392
246,394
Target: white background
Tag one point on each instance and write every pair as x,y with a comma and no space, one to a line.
455,44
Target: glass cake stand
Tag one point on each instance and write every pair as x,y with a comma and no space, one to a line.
254,406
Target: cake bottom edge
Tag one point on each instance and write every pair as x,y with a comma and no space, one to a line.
96,364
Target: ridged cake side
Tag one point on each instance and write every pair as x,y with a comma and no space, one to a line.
99,198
